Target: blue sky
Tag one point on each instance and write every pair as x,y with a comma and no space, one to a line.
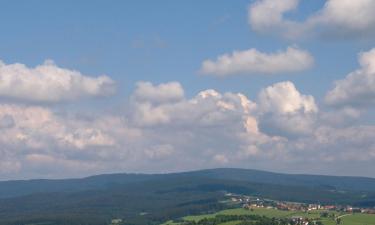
158,42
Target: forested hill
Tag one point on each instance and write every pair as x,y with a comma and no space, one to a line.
258,176
26,187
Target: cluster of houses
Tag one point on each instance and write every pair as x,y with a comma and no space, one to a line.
255,202
297,220
116,221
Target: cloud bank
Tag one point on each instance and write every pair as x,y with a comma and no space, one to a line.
163,130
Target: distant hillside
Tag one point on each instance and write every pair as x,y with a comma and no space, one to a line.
27,187
19,188
152,199
257,176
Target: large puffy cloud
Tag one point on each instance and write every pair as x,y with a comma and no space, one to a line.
50,83
39,128
37,141
285,111
358,88
345,18
284,98
253,61
207,108
206,130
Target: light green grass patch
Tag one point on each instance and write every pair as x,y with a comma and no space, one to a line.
231,222
358,219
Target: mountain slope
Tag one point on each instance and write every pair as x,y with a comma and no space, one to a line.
257,176
19,188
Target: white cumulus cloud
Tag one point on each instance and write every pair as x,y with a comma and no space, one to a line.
284,98
50,83
253,61
358,88
337,18
268,14
285,111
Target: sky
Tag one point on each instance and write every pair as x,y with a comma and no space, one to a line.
168,86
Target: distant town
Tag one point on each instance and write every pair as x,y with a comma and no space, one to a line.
250,202
336,212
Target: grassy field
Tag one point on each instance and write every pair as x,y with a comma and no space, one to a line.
231,223
257,211
352,219
359,219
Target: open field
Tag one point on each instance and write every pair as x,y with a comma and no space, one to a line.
231,223
358,219
257,211
350,219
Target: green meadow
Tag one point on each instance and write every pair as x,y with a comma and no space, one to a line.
359,219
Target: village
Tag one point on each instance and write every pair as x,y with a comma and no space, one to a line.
334,212
249,202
